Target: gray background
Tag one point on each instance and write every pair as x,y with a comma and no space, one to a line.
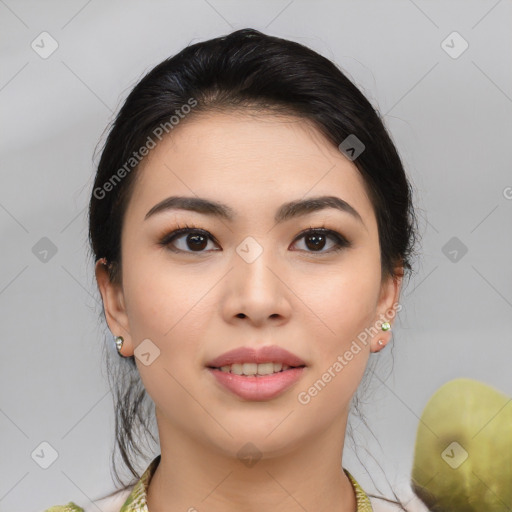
449,117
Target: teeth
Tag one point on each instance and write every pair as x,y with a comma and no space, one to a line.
237,369
263,369
254,368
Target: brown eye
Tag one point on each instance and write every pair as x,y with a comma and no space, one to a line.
187,240
196,242
315,240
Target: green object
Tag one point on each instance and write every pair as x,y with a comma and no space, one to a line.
463,452
386,326
70,507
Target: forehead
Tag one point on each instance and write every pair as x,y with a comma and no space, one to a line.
246,160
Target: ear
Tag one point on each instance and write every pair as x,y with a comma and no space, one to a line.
387,308
114,306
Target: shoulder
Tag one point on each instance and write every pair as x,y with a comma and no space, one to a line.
110,504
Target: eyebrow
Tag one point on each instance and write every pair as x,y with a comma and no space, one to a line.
285,212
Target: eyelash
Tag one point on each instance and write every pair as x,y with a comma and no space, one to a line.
340,240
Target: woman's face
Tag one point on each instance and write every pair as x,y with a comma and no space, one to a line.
250,278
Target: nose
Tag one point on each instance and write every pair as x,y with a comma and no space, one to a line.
257,292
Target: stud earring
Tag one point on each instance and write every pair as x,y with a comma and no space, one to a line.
386,326
119,344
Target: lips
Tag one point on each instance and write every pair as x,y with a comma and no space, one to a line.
266,354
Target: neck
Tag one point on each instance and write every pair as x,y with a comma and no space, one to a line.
308,476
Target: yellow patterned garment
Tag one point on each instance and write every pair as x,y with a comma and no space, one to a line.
136,501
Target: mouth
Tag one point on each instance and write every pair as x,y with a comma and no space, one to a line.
256,375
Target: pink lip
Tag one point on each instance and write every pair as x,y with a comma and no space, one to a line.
266,354
258,388
254,387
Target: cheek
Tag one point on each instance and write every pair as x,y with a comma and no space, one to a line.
344,308
173,308
161,300
345,298
168,308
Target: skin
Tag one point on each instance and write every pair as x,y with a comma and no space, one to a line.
195,306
